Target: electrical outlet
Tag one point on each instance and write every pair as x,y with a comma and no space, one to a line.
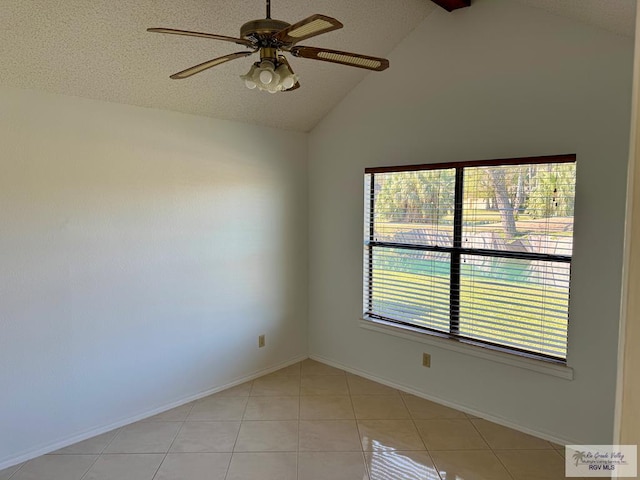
261,341
426,360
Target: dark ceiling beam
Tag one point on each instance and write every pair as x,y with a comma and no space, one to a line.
451,5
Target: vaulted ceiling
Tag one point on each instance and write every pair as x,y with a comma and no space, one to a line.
99,49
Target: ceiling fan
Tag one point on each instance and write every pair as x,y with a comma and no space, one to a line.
271,38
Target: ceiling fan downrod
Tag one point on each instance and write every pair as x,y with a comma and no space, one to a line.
268,8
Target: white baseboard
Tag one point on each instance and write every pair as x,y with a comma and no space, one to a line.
463,408
52,447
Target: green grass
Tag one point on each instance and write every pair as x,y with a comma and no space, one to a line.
489,220
481,307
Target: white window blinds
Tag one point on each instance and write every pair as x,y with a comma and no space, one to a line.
479,252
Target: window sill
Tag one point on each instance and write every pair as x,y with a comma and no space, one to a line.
416,335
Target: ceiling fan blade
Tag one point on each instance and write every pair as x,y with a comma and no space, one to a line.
239,41
211,63
283,59
343,58
309,27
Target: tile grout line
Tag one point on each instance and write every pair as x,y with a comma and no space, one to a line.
173,441
20,468
491,448
364,458
244,411
101,452
415,425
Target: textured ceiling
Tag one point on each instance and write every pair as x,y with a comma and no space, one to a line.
99,49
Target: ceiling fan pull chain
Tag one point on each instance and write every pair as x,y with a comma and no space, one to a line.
268,8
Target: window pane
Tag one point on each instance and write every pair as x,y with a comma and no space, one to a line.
521,208
518,303
368,218
409,286
414,207
500,277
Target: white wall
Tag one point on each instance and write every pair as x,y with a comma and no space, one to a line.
492,81
142,253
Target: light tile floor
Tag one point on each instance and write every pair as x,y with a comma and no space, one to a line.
305,422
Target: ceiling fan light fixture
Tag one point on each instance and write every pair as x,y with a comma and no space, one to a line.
264,76
287,78
288,83
249,78
267,73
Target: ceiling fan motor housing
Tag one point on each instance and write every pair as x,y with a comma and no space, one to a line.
262,30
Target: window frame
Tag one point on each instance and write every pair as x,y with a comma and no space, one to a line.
456,251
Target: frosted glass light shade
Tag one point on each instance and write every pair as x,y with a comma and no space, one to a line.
265,77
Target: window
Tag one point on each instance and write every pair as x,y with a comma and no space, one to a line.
479,252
